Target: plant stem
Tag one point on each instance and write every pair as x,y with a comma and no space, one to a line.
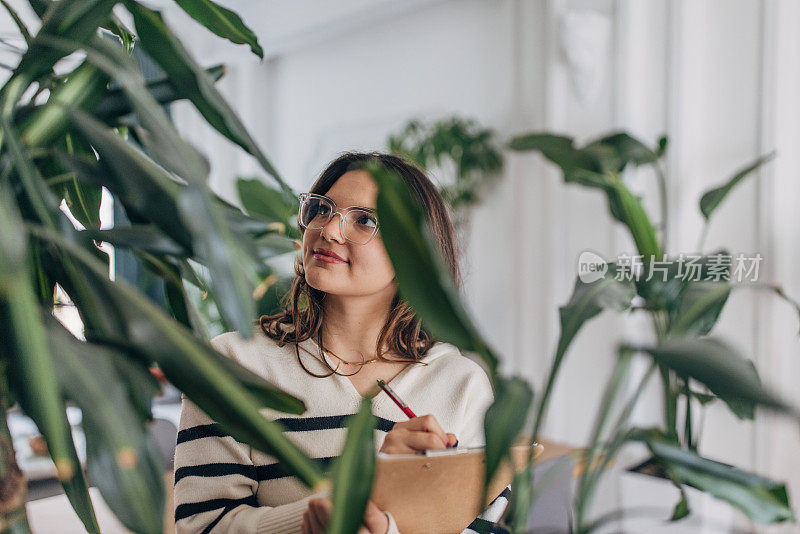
662,193
619,437
687,422
619,373
700,425
670,396
13,487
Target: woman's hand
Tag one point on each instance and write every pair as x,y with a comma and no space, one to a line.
417,434
318,515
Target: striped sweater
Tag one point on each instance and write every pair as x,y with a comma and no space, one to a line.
222,485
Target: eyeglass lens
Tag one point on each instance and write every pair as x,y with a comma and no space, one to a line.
359,225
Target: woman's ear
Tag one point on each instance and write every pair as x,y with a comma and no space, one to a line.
298,244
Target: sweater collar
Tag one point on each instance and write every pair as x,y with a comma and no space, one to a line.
438,349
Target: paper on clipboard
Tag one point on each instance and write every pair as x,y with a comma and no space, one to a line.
441,490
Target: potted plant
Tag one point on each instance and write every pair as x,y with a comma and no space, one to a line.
682,298
460,149
66,135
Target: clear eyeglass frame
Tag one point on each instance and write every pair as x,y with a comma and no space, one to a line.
342,212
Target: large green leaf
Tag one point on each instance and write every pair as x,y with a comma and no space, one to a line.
75,20
598,165
121,458
258,198
271,245
113,24
712,198
191,365
43,203
26,348
665,284
201,227
115,104
83,89
231,263
193,83
504,421
138,237
147,190
698,308
423,280
608,154
82,199
159,136
762,499
222,22
721,368
587,301
233,271
354,472
624,149
561,151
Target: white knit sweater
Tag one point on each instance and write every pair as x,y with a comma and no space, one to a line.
222,485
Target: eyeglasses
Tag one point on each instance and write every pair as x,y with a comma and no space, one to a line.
358,225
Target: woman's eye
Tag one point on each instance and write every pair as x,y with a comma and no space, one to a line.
366,220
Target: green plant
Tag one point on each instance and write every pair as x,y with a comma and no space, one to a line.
453,145
65,136
682,311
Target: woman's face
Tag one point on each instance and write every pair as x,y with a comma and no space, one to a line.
368,269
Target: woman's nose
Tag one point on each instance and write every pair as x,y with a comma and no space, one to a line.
333,230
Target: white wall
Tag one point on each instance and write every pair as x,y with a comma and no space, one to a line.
720,77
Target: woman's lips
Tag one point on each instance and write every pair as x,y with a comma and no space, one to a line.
327,259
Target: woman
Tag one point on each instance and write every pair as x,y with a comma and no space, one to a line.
343,326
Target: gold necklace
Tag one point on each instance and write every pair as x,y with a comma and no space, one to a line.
328,351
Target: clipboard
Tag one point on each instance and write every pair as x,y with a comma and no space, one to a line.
440,491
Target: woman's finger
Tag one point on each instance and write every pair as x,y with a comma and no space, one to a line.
318,517
427,423
374,519
420,441
410,441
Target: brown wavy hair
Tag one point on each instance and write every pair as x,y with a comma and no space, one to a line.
302,308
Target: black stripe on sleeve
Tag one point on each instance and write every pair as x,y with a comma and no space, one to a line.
327,422
257,473
216,470
290,424
201,431
189,509
276,470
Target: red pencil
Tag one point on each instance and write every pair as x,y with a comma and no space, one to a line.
392,395
403,406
